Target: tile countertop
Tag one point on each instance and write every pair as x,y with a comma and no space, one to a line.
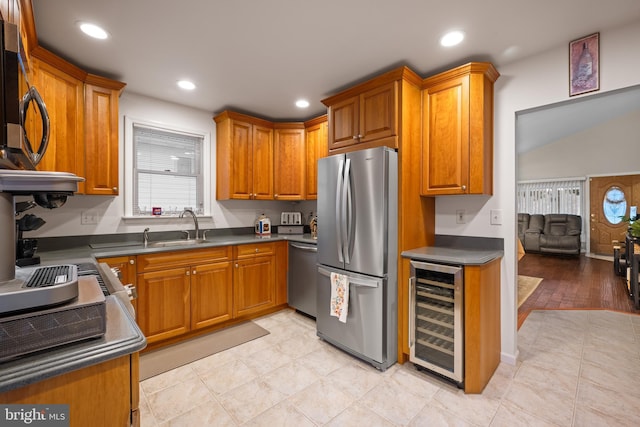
453,255
129,249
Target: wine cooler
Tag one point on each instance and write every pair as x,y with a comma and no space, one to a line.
436,335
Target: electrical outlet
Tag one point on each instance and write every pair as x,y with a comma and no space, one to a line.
89,217
460,219
496,216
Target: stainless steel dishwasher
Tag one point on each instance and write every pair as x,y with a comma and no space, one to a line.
301,279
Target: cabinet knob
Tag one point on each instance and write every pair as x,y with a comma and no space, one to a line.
188,273
257,250
464,187
275,196
194,272
131,261
236,265
115,189
355,136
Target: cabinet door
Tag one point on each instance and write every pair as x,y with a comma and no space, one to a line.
253,285
262,165
164,303
211,294
241,157
101,140
378,113
445,154
63,95
289,164
316,148
343,123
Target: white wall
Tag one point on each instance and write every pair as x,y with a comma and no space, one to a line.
532,82
600,150
65,221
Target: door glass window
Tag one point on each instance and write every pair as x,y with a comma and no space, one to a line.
614,205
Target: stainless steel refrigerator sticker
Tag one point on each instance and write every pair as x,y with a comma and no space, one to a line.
357,246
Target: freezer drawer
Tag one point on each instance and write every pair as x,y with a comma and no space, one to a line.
365,332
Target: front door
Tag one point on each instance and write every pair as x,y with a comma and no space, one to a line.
610,198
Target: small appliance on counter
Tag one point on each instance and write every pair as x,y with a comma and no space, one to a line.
263,226
26,248
290,223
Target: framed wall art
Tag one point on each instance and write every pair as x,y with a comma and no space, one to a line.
584,65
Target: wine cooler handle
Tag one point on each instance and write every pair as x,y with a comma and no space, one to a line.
412,312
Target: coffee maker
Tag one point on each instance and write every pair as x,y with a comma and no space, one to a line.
26,248
49,190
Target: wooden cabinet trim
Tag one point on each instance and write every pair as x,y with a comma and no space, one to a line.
165,260
400,73
253,249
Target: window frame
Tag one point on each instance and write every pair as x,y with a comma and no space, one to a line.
129,162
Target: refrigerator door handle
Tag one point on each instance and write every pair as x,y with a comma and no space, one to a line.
339,185
347,211
355,281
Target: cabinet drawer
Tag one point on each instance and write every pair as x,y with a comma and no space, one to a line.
253,249
184,258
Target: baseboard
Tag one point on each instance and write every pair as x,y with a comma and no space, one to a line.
509,359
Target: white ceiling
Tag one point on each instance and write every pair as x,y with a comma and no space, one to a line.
260,56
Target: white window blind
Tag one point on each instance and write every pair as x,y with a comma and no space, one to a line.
167,171
545,197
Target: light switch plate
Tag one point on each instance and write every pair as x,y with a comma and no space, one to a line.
496,216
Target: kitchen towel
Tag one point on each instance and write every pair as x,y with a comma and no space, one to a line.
340,296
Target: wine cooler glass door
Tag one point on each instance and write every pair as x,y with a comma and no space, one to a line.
436,318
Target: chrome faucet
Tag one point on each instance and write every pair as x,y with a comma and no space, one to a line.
145,236
195,220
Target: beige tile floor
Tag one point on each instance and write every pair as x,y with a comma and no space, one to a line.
576,368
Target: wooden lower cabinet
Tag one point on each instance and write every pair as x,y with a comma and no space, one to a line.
254,285
254,278
102,395
211,294
164,303
184,293
482,343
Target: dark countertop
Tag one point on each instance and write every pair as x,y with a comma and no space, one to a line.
122,337
452,255
115,249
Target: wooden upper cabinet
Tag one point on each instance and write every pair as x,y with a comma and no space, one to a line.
367,115
289,159
244,157
63,94
101,136
83,116
317,148
457,152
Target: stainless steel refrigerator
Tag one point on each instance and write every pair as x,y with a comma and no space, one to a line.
357,237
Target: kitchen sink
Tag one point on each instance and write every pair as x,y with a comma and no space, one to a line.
181,242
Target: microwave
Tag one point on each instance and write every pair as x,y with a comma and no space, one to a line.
16,151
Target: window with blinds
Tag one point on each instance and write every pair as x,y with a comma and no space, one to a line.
546,197
167,171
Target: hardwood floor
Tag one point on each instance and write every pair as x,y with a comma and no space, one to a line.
573,283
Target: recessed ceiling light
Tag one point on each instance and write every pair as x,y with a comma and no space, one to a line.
93,30
452,38
302,103
186,84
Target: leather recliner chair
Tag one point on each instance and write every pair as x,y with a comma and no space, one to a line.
552,234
